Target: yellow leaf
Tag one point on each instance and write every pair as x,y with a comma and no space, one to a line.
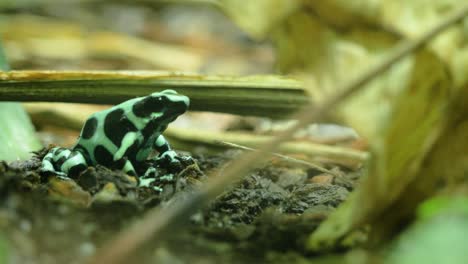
406,126
401,113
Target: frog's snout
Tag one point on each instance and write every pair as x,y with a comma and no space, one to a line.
185,100
180,104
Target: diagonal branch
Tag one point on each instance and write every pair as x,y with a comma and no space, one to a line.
158,222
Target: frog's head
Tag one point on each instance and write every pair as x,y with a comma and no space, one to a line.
164,106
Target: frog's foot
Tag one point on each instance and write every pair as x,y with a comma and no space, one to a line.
168,156
151,172
54,172
152,179
148,183
148,180
172,161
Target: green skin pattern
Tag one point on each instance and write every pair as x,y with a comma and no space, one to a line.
122,136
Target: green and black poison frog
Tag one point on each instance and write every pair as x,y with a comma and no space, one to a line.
121,137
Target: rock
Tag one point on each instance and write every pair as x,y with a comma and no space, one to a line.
68,189
290,177
108,193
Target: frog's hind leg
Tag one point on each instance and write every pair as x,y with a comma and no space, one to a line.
164,149
54,159
74,164
48,161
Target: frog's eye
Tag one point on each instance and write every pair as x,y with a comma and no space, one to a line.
148,105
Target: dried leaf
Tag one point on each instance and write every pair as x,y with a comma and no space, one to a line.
409,118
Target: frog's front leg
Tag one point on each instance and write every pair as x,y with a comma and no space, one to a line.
169,158
129,169
74,164
165,152
127,142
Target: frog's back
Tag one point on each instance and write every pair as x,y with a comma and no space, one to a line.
103,132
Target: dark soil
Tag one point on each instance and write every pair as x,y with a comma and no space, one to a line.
271,211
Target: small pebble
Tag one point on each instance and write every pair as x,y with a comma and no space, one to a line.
25,225
322,179
87,249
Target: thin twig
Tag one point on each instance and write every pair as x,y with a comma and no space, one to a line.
74,117
340,155
284,157
158,221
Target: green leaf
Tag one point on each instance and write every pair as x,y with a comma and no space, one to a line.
3,249
3,61
438,235
16,130
438,240
442,205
